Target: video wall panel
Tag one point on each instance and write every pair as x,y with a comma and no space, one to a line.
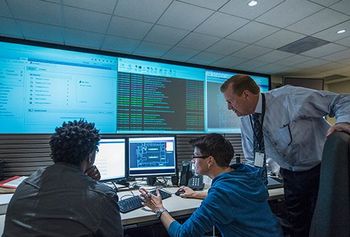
40,87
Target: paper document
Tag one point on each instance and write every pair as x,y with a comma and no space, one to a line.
12,182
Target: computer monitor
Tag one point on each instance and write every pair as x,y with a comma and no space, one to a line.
152,156
110,159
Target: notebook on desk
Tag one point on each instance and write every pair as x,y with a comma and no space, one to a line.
273,183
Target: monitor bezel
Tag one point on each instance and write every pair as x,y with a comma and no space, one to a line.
116,179
152,175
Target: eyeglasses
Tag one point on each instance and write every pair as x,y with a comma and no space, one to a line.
200,157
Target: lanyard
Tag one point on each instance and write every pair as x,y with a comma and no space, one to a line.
262,118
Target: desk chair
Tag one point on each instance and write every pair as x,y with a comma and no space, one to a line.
332,211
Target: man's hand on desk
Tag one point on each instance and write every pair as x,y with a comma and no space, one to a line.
153,202
93,172
339,127
156,205
187,192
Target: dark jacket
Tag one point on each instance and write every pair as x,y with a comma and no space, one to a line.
332,211
62,201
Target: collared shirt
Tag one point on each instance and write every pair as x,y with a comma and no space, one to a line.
258,108
62,201
294,126
236,204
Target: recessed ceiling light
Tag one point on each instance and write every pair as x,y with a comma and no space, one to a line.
252,3
341,31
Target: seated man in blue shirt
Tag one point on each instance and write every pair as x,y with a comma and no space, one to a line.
236,202
65,199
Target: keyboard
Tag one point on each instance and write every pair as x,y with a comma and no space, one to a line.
135,202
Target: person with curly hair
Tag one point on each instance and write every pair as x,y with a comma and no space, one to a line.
66,199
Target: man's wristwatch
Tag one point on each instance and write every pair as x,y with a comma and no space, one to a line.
160,212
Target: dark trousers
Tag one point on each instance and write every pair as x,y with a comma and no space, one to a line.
300,194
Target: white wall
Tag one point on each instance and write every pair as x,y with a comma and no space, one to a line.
340,87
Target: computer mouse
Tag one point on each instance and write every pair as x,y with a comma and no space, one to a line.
179,191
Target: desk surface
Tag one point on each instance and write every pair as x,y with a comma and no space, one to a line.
177,206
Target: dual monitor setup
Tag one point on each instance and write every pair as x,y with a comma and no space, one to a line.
137,156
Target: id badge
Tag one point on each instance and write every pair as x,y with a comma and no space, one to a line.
259,159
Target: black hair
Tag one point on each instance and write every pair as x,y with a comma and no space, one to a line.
74,141
215,145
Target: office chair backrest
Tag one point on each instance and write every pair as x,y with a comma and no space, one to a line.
332,211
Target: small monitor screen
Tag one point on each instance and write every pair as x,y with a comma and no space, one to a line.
110,159
152,156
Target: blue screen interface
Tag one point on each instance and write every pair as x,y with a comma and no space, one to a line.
152,156
41,87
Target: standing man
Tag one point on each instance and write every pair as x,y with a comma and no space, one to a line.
65,198
287,124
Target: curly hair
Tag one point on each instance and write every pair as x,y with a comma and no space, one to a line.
215,145
74,141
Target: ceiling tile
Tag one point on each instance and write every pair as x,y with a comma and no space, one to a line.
87,20
273,56
289,12
330,34
330,66
198,41
128,28
318,21
8,27
4,10
211,4
226,47
312,63
228,62
105,6
345,41
55,1
342,6
165,35
344,62
204,58
241,8
119,44
345,54
325,3
279,39
295,59
324,50
151,49
83,39
143,10
181,15
272,68
252,32
37,11
41,32
180,54
220,24
251,64
251,51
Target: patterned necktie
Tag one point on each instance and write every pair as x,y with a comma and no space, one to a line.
259,142
258,134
